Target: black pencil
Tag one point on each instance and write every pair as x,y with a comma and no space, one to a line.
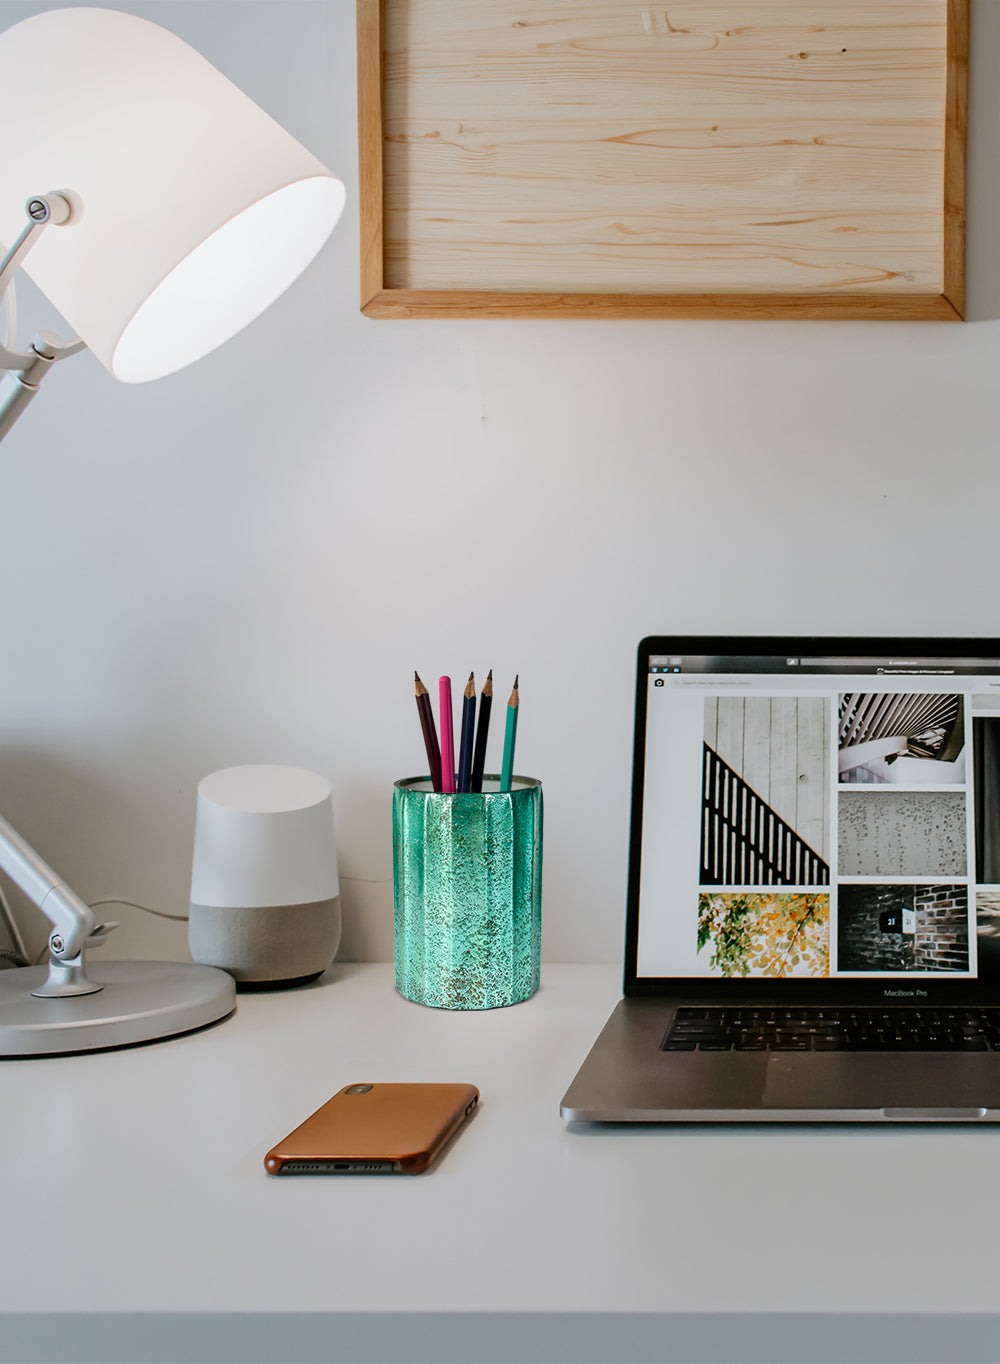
482,731
465,742
430,733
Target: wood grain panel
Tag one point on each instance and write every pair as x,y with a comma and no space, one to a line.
757,768
780,746
812,818
784,758
703,157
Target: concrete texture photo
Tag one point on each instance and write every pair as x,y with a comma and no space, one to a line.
902,833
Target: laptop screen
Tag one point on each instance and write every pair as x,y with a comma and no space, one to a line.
817,816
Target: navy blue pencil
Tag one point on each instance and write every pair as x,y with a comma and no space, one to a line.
468,730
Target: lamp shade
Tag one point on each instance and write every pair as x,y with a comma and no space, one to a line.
192,209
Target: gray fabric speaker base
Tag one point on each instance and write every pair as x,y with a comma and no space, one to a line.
263,944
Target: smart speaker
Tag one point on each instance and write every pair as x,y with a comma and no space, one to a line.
265,897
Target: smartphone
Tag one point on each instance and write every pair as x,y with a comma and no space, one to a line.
368,1129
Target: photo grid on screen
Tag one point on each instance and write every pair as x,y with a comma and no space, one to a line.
837,834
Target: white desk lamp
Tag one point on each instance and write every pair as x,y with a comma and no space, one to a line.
165,211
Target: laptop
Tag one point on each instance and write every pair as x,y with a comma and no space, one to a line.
813,920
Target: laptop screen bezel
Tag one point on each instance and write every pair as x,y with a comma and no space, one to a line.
742,990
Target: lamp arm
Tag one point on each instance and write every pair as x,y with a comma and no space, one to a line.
41,210
10,359
26,370
73,921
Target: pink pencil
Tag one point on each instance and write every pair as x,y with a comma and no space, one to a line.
447,736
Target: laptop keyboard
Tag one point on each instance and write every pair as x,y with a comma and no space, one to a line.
697,1029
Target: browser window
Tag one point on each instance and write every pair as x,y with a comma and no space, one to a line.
813,817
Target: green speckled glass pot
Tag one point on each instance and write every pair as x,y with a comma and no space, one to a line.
468,893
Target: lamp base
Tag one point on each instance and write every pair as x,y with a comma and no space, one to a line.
141,1001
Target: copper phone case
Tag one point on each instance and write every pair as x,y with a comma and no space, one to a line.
375,1129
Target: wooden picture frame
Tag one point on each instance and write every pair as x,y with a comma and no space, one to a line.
480,197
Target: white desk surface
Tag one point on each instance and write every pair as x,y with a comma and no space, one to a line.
134,1183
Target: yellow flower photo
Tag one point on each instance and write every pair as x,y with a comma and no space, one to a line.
765,934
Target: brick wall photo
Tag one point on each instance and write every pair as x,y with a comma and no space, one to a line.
940,941
942,937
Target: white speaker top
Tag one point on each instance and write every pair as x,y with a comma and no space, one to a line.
263,837
264,788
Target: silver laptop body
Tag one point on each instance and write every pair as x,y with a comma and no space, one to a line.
813,919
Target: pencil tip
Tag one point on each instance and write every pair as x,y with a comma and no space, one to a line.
489,675
515,679
471,676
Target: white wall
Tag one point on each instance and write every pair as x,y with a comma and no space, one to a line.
246,561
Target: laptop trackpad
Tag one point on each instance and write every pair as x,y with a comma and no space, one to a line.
867,1081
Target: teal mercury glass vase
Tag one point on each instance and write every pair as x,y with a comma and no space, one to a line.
468,893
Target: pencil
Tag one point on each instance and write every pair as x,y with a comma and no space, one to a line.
465,742
507,772
482,731
430,733
447,736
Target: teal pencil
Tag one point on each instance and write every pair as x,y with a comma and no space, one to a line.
510,734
